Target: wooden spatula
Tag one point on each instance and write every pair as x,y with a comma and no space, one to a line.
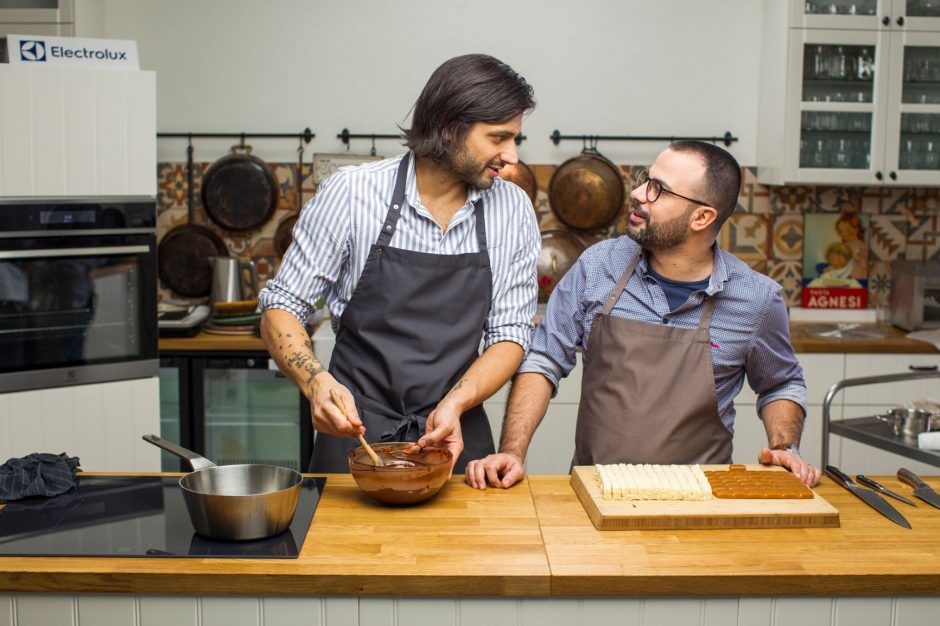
338,401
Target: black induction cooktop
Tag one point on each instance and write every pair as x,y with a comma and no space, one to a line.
135,516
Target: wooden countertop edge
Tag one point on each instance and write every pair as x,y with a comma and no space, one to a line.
895,342
147,583
749,585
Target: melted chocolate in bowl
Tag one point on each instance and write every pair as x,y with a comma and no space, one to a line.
407,478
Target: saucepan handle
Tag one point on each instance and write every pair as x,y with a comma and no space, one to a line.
195,461
908,477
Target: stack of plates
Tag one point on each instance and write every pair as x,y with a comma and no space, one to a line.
234,318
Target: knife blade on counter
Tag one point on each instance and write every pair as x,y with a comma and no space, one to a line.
868,482
921,489
870,498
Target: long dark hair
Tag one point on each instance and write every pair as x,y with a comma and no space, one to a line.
462,91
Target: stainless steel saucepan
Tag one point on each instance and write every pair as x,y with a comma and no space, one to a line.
235,502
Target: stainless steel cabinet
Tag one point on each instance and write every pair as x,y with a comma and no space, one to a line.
233,408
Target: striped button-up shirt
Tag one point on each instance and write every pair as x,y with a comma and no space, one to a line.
749,331
338,226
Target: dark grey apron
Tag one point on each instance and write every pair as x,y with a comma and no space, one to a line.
648,392
411,329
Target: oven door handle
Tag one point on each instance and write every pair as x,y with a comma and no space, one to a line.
63,252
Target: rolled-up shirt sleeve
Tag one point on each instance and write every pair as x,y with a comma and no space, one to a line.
555,343
313,262
515,292
772,368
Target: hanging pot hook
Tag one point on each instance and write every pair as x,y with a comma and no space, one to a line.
372,152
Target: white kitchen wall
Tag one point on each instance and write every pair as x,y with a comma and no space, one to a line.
598,66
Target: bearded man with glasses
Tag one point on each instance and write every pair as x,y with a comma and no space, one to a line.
669,326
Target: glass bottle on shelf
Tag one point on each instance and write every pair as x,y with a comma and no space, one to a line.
865,65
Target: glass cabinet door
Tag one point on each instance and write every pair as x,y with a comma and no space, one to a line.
916,15
837,13
174,393
841,83
250,414
913,124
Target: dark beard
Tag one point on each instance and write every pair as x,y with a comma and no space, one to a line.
468,170
662,236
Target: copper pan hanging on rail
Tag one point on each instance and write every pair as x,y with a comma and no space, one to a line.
521,174
586,192
239,193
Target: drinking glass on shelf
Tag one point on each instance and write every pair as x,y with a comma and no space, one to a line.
840,157
930,158
906,156
819,157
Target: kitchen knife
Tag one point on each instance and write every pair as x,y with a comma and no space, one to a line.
868,482
921,489
870,498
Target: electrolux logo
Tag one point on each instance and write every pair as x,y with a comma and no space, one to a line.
32,50
61,52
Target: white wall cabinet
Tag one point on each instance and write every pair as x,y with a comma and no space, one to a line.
850,93
77,132
102,424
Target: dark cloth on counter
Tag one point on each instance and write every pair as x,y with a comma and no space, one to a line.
37,474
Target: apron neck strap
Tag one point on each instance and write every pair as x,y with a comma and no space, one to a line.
480,223
622,284
395,206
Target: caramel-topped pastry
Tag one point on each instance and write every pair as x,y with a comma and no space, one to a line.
738,482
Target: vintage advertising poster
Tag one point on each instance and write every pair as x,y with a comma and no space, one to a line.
835,261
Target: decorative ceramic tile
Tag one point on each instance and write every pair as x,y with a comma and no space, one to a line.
895,200
286,183
747,236
922,201
875,199
171,183
789,274
758,265
839,199
879,282
792,199
923,240
754,197
787,237
888,237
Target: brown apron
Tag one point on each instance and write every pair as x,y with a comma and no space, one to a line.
648,392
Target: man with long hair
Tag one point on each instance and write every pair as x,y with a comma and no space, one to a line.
419,258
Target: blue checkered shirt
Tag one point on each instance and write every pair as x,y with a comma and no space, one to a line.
750,330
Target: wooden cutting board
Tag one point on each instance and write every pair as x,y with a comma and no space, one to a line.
704,514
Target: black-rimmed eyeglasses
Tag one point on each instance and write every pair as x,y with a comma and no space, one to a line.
655,188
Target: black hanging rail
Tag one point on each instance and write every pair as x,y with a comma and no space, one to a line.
306,135
345,136
556,137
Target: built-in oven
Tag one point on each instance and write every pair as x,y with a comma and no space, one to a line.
78,289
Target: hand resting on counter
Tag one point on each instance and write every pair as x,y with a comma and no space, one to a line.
808,474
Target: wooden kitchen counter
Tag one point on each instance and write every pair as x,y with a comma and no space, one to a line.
867,555
532,540
464,542
894,342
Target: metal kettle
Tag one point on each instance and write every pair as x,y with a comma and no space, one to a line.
228,279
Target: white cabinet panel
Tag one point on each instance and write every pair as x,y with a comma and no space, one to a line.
102,424
542,611
16,142
81,135
77,132
889,394
162,610
426,612
49,129
110,609
915,611
44,609
862,612
6,610
229,611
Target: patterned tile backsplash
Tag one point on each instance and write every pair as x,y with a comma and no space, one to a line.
766,231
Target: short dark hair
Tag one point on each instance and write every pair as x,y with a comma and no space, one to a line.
722,182
462,91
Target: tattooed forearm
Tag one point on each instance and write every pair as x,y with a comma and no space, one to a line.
306,363
455,388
